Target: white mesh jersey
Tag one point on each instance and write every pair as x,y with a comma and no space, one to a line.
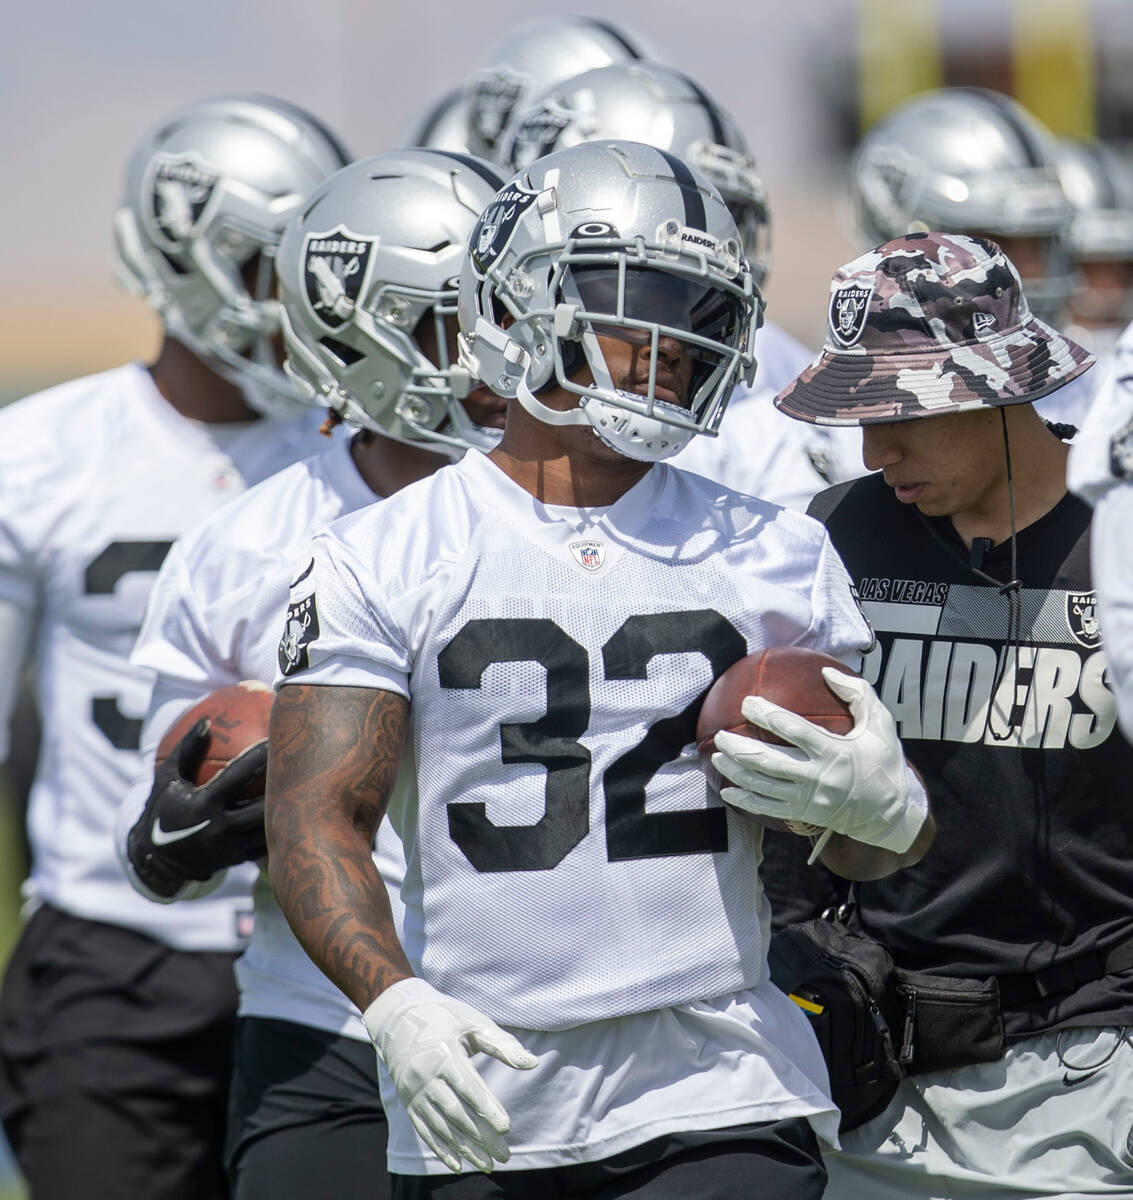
565,863
213,619
97,479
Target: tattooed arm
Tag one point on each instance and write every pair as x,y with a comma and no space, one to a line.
333,758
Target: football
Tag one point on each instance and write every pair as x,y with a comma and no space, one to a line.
789,676
238,715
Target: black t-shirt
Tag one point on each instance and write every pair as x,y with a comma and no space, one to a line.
1031,786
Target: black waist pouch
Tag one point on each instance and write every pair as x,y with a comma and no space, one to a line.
947,1022
876,1022
847,986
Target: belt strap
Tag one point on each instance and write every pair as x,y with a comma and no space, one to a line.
1063,978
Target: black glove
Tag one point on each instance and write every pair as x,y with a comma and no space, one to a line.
189,833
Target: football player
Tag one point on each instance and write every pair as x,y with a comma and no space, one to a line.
969,160
1098,182
536,56
579,915
380,350
647,102
116,1016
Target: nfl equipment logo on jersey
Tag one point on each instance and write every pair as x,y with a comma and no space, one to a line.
334,269
849,307
300,629
182,188
589,554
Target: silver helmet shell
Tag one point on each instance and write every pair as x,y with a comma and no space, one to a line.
376,251
650,103
1098,182
537,56
208,191
965,160
610,235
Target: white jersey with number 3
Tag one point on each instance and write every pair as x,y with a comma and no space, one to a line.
97,479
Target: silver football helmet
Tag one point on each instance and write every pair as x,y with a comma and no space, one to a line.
1098,181
611,240
535,57
444,125
650,103
208,191
966,160
368,278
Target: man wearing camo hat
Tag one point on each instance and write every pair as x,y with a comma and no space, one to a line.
972,563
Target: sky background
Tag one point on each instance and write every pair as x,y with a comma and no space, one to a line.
80,82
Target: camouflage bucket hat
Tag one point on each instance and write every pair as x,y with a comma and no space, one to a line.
928,324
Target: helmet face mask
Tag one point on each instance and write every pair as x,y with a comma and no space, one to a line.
367,274
537,303
208,192
965,160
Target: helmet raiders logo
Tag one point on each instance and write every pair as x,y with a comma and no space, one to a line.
1082,618
1121,452
334,270
541,131
493,101
849,307
589,554
493,231
300,629
181,190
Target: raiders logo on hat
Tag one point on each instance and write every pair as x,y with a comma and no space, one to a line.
497,223
334,270
849,307
181,190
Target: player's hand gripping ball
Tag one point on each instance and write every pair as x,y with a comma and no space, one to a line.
790,676
238,715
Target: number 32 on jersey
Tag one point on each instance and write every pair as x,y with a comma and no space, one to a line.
553,740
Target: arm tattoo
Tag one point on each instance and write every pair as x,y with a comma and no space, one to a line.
333,759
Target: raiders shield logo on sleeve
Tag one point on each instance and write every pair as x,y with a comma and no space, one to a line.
181,190
334,270
300,629
849,307
497,223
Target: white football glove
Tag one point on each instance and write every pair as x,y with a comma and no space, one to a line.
857,784
426,1041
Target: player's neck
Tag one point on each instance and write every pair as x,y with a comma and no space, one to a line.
388,466
565,465
194,389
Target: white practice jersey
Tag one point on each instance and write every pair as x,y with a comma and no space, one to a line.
97,479
213,619
1100,470
566,866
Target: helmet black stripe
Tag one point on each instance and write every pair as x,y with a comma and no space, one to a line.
695,217
1024,135
616,34
709,107
1107,192
438,111
303,117
481,168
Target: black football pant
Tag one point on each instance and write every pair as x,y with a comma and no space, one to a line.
115,1062
774,1160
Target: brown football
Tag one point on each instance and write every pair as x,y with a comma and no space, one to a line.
789,676
238,715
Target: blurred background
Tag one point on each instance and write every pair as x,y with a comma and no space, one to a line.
81,82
